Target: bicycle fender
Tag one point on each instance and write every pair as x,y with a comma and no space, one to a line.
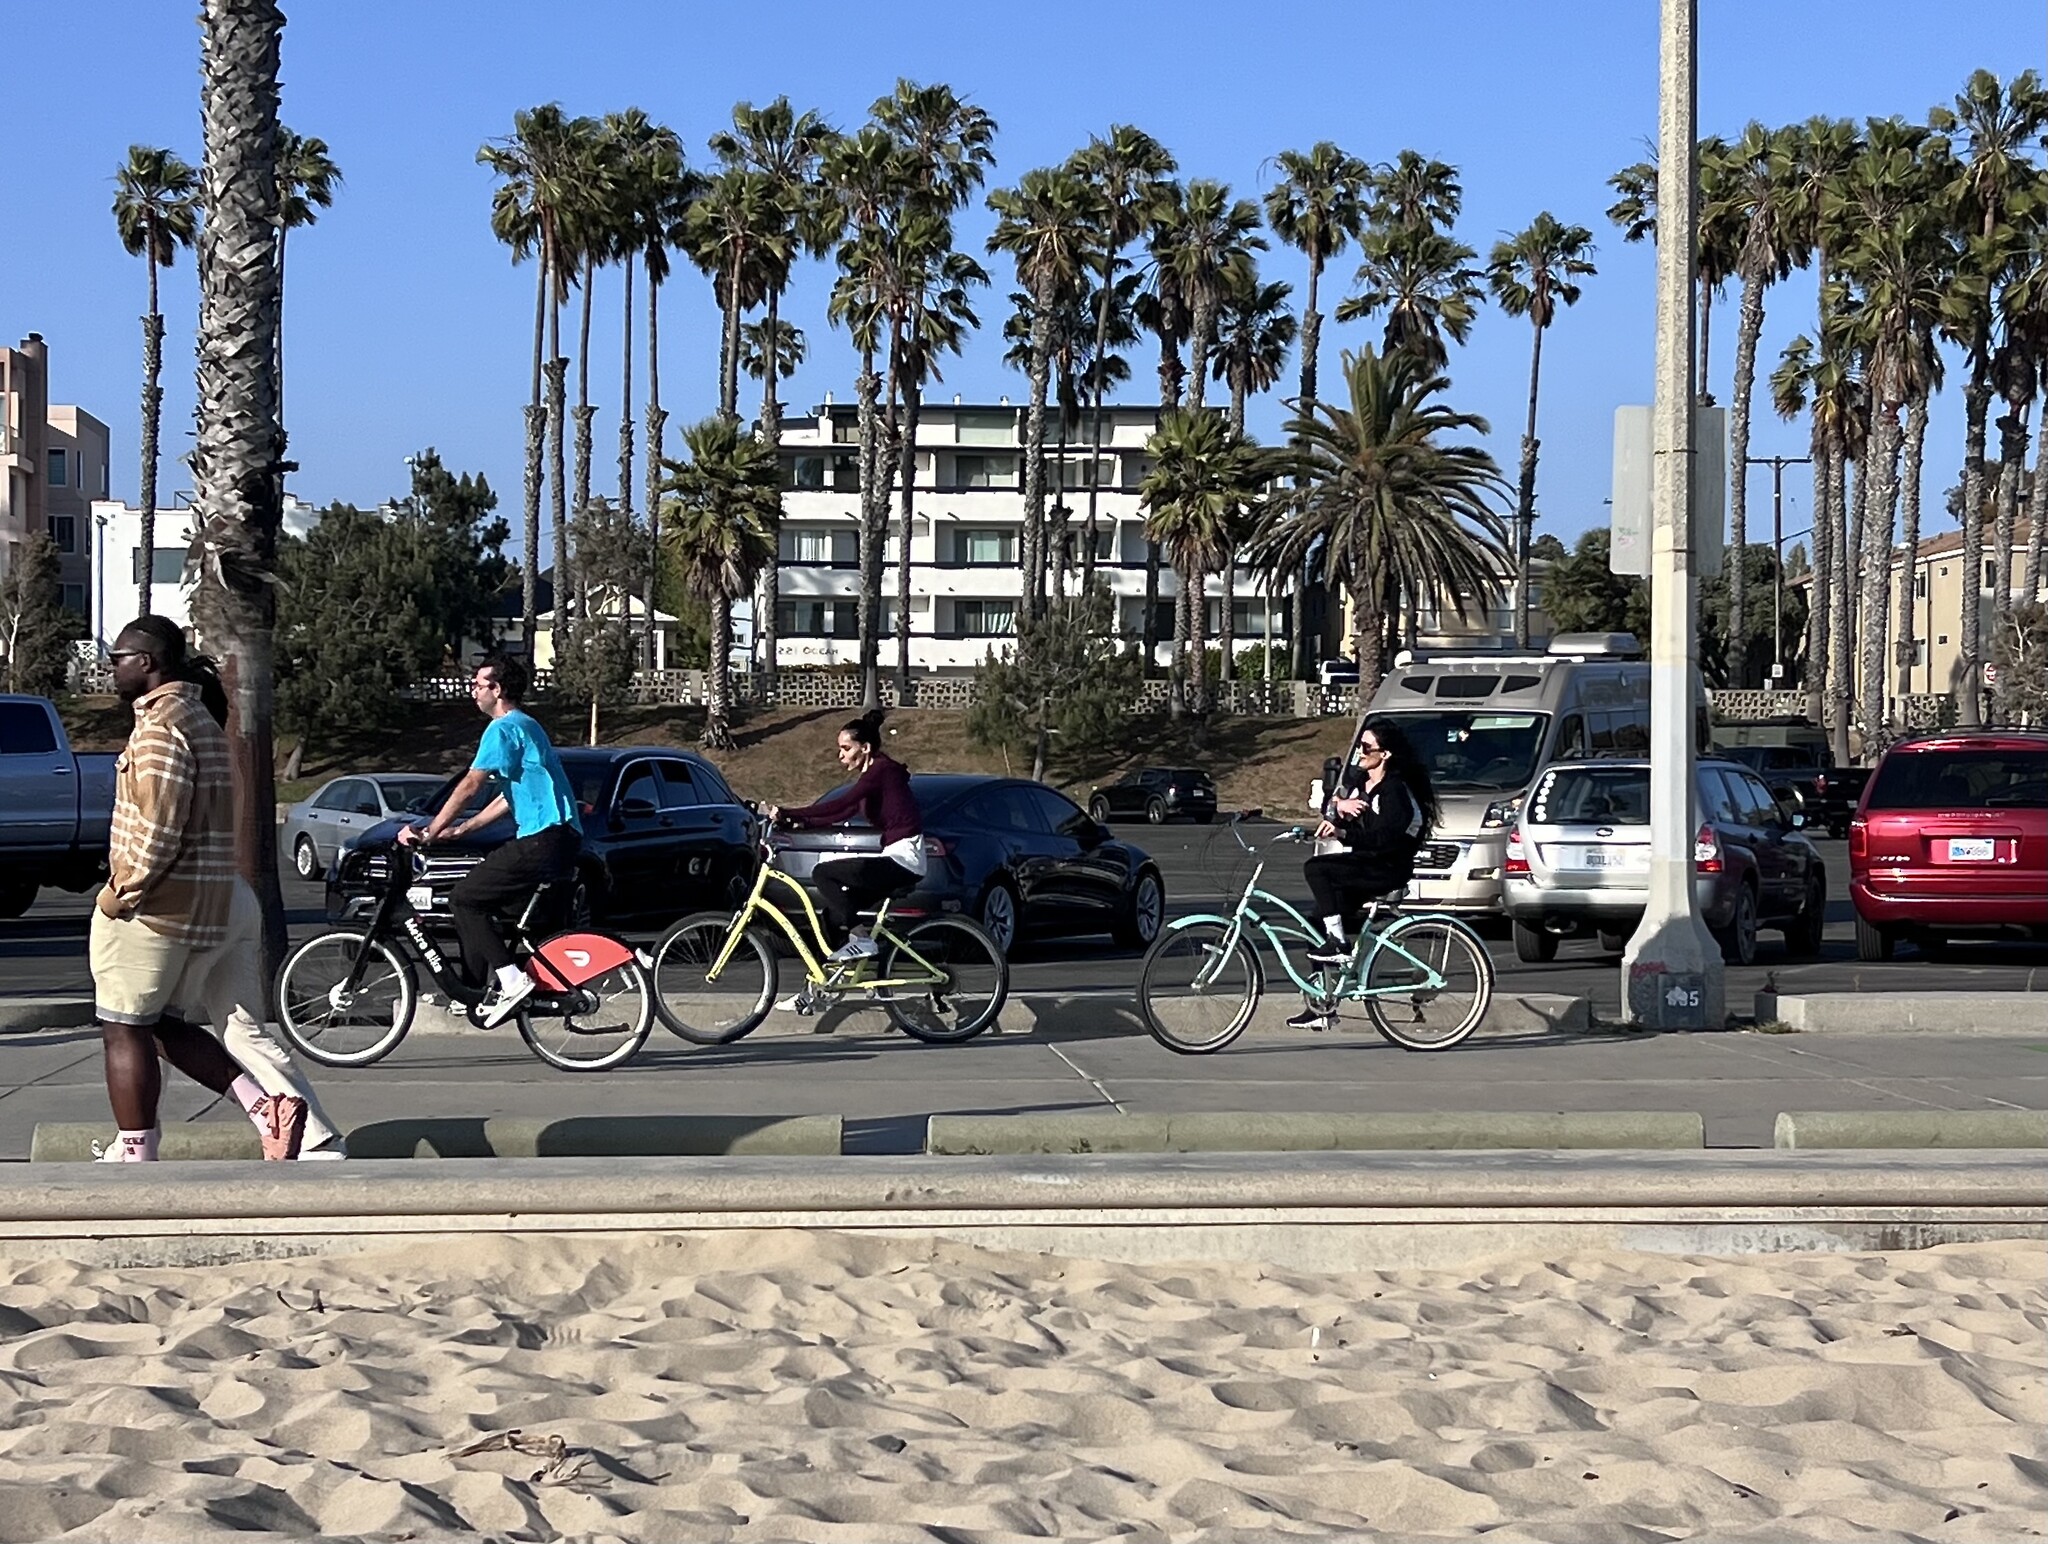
574,958
1201,916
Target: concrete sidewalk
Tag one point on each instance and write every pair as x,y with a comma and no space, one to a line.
1101,1060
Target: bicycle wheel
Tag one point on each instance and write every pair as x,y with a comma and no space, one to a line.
706,1012
1420,1018
600,1024
336,1025
976,979
1198,987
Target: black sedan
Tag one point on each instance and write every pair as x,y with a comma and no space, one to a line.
662,835
1016,856
1157,794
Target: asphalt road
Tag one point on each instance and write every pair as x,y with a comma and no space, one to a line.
44,952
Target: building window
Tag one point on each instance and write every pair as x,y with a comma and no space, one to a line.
169,567
1920,585
985,549
819,547
74,599
984,471
997,426
1941,638
807,472
985,618
56,463
1073,473
103,479
1944,570
818,619
1919,651
1991,573
64,532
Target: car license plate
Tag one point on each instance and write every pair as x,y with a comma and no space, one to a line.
420,897
1973,849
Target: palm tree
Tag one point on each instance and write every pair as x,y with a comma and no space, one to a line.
786,347
306,180
785,147
1254,331
1424,283
598,233
239,447
2024,304
714,513
634,143
1125,168
1207,238
1401,509
1204,476
1163,311
1634,210
1319,207
1050,226
537,164
1413,192
1752,194
740,232
1531,274
1794,386
156,210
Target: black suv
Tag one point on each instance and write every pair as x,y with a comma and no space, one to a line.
662,835
1157,793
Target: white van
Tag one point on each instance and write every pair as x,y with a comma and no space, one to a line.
1486,723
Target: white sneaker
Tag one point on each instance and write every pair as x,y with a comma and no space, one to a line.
328,1151
855,948
498,1004
118,1151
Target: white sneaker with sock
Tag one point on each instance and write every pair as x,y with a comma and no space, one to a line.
855,948
512,988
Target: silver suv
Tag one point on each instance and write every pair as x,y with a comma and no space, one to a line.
1578,860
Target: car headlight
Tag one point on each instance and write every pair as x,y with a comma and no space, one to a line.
1501,812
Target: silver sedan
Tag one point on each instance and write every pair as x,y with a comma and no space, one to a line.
316,829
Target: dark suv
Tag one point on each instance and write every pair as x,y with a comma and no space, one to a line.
1952,837
1159,794
662,835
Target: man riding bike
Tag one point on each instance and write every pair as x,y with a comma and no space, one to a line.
880,792
516,757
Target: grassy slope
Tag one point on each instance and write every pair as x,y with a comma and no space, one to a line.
786,756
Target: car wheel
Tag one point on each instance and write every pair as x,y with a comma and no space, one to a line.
1155,812
1738,938
1098,810
997,915
1803,932
1533,946
1873,943
306,859
1613,943
1144,912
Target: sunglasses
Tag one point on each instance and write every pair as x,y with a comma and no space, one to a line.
116,656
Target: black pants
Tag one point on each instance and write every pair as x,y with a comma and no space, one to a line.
1342,882
849,886
501,885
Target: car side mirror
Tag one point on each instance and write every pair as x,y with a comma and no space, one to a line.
634,809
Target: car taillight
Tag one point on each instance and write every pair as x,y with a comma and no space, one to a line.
1706,851
938,847
1859,838
1517,860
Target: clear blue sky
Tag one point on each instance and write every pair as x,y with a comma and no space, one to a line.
407,325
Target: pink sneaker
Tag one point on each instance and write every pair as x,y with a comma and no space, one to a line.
281,1123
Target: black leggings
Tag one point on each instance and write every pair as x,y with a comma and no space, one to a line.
503,883
1342,882
849,886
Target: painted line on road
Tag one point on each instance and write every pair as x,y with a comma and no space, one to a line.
1090,1080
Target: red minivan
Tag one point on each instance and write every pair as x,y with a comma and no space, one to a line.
1951,837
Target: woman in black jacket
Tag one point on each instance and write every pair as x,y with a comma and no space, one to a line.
1382,811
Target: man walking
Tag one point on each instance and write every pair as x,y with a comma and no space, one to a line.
168,910
516,757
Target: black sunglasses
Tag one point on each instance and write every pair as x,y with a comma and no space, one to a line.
117,655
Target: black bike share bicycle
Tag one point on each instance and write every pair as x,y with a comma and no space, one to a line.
347,997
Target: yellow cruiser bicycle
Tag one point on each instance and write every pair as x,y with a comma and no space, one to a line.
940,980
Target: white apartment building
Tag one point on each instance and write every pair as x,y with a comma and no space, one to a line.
966,535
115,540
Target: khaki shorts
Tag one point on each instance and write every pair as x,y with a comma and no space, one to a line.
135,970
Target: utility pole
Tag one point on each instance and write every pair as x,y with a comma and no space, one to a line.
1671,971
1777,464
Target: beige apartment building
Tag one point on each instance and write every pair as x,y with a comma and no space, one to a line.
1937,580
54,461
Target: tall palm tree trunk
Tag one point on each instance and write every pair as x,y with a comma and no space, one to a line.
584,411
626,395
2012,466
1193,585
1034,452
536,438
767,622
239,445
718,679
2037,521
1169,397
558,468
1847,598
913,406
1201,324
1969,686
867,387
656,418
1226,624
1909,538
152,423
1177,666
1820,587
1706,340
1368,622
1311,343
1095,426
729,345
1881,489
1525,498
1749,326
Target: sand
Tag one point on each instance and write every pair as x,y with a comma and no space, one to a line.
796,1386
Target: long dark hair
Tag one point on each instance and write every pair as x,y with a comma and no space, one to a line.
175,659
866,730
1410,768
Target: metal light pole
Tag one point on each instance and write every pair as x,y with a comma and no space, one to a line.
1671,971
1777,464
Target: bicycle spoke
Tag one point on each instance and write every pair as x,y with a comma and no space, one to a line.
700,1009
596,1025
1429,984
961,979
1198,987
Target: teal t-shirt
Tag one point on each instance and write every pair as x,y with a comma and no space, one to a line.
516,752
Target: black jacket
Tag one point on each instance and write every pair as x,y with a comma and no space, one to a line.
1390,828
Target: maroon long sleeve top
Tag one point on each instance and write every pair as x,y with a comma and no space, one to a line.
881,794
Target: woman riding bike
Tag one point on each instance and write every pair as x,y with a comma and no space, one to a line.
880,792
1382,810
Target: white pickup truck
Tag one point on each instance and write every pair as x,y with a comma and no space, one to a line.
55,806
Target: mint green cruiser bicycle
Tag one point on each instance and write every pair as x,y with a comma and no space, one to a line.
1424,980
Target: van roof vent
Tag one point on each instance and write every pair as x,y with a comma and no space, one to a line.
1621,645
1520,683
1466,685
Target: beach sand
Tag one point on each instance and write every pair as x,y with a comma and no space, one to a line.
818,1386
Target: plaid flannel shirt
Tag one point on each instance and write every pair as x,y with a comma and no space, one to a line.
171,865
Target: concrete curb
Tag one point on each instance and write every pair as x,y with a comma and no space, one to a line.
1223,1132
1927,1013
609,1136
32,1013
1900,1129
1324,1211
